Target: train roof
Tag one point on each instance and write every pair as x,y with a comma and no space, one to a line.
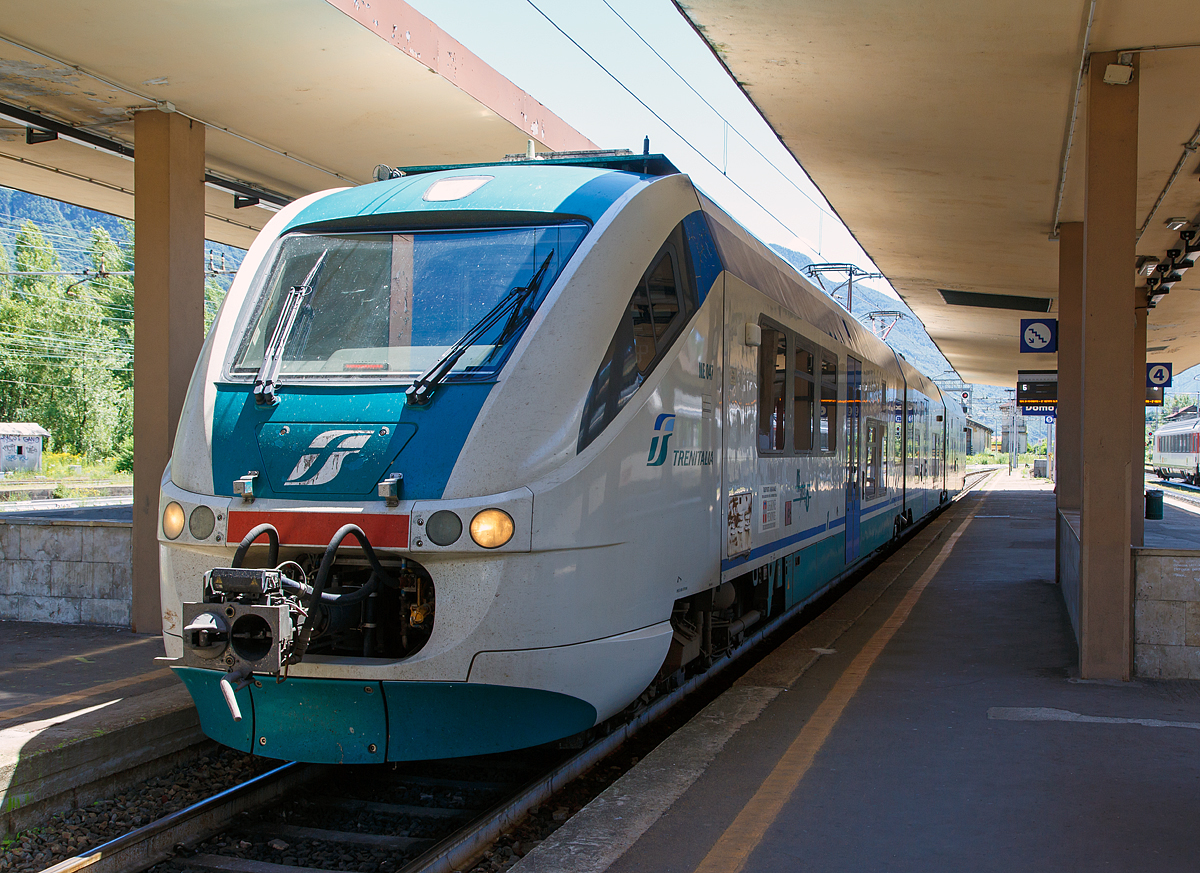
568,187
1184,424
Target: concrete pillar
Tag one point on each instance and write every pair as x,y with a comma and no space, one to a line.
169,303
1068,480
1070,364
1106,591
1137,469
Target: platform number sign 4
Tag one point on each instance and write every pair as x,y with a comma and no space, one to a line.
1039,335
1158,375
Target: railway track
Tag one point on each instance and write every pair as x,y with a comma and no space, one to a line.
1178,490
417,817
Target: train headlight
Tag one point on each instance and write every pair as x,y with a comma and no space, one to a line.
492,528
173,518
444,527
201,522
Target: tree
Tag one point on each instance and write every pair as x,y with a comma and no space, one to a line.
60,354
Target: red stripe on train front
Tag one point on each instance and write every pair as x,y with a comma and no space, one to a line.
318,528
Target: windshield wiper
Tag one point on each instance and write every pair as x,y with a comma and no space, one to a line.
421,390
267,379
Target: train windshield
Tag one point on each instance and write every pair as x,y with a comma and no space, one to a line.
393,304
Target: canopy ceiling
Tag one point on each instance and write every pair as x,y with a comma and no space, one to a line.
297,96
938,130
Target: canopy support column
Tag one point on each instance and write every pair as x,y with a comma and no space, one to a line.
169,312
1109,327
1068,483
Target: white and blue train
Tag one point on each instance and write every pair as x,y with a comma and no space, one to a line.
474,456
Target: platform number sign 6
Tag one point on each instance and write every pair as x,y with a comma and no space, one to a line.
1039,335
1158,375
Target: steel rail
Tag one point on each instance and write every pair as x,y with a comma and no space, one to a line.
152,843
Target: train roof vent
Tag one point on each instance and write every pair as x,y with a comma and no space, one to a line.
996,301
608,159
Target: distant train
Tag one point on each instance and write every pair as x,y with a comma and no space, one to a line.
1175,452
475,456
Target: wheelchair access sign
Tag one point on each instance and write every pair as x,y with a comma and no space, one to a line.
1158,375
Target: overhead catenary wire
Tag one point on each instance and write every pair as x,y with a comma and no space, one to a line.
824,209
44,384
716,111
666,123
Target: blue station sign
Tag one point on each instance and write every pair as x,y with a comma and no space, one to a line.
1158,374
1039,335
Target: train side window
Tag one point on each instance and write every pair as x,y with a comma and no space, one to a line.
615,382
772,391
883,439
874,463
829,398
661,304
662,290
804,396
643,328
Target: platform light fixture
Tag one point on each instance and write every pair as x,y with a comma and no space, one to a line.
1176,223
1118,74
1146,265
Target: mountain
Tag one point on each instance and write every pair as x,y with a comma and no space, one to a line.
910,339
69,229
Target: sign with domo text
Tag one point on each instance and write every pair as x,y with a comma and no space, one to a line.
1037,389
1047,409
1158,375
1039,335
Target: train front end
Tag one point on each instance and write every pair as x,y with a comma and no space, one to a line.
336,585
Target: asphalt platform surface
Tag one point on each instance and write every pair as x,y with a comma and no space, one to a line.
931,720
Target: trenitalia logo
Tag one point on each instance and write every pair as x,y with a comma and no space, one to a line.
325,454
664,426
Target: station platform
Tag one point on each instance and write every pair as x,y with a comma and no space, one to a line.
931,719
83,711
1179,528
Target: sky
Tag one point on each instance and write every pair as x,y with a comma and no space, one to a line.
620,70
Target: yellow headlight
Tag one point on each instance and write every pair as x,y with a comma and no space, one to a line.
173,518
492,528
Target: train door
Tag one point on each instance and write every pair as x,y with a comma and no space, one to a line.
946,450
853,455
900,432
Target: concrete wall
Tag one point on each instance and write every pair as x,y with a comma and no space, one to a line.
69,572
1166,616
1068,564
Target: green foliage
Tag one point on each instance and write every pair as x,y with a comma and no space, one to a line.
66,341
123,463
65,349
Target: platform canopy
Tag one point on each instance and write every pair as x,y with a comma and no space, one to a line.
296,95
949,137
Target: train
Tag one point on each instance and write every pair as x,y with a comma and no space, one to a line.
1175,450
478,458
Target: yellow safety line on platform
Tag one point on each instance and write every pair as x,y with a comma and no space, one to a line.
82,694
157,641
733,848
